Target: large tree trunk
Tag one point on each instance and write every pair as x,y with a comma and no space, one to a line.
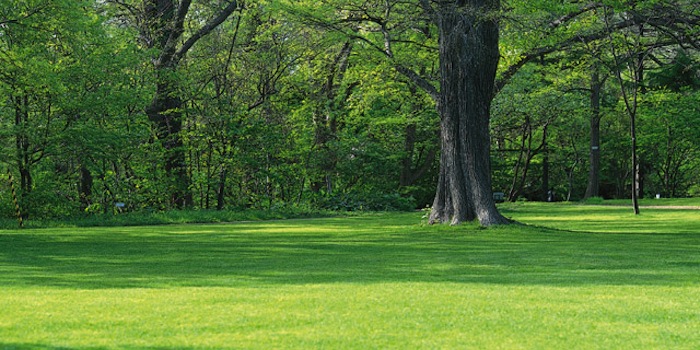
468,60
165,111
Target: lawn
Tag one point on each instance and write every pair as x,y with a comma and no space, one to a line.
576,277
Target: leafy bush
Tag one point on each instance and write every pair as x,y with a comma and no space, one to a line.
694,191
367,202
594,200
146,218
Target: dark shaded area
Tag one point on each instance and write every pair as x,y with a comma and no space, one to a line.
259,254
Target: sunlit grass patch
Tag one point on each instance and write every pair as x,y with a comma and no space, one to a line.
610,219
381,315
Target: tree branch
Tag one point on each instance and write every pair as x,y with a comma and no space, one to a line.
206,29
168,54
29,13
570,16
419,81
425,4
537,52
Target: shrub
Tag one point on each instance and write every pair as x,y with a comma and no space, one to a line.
367,202
594,200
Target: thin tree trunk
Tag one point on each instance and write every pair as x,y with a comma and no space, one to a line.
630,99
545,172
635,165
593,188
221,190
22,145
326,123
409,148
85,187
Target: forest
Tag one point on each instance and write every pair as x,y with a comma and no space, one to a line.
151,105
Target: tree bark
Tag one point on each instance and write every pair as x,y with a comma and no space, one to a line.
635,164
469,56
407,161
221,190
547,192
25,159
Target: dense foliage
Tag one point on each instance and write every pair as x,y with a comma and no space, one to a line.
304,104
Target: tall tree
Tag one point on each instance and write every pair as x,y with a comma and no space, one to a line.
468,37
469,54
325,119
596,88
162,26
37,50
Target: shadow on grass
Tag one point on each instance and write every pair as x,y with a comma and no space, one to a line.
341,251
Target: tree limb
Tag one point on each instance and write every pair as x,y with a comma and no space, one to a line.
537,52
206,29
419,81
569,16
29,13
664,19
168,55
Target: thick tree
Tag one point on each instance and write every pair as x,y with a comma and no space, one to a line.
467,37
469,54
467,34
162,26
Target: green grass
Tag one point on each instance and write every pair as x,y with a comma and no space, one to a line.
142,218
691,202
579,277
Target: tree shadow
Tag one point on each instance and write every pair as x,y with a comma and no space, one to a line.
341,252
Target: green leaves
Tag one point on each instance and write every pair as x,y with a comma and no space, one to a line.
257,91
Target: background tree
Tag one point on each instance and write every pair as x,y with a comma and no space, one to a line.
56,97
162,25
340,104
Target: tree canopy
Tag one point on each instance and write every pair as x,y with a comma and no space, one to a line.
345,104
